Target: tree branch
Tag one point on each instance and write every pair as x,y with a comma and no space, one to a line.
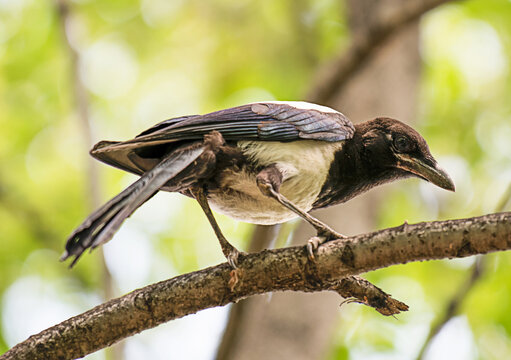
268,270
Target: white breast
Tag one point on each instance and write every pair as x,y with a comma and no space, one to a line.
304,164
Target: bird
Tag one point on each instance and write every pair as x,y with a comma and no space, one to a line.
262,163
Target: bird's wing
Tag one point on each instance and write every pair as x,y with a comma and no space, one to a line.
265,121
271,121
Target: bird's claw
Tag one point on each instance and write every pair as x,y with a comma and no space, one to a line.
312,245
324,235
232,258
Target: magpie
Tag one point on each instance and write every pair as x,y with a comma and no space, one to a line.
262,163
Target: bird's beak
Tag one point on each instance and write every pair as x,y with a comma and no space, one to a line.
425,169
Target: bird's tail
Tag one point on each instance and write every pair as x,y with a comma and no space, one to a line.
102,224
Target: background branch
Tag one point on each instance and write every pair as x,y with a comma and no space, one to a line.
331,77
268,270
82,101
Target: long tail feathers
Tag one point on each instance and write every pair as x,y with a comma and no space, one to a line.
102,224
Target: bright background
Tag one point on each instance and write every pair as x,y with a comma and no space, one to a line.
143,61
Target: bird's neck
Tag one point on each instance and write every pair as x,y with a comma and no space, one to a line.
352,172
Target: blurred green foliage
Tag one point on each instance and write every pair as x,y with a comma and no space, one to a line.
146,60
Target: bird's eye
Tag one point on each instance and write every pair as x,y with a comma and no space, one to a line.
402,144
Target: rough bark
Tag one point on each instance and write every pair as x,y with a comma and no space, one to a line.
268,270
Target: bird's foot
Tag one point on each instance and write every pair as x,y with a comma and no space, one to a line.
232,255
324,235
312,245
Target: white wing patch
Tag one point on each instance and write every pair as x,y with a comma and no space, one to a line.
301,105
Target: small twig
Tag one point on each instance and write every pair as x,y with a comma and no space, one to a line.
359,290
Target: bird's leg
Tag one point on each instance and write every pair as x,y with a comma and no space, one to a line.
230,252
269,180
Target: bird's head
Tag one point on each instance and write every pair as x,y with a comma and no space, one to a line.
396,149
